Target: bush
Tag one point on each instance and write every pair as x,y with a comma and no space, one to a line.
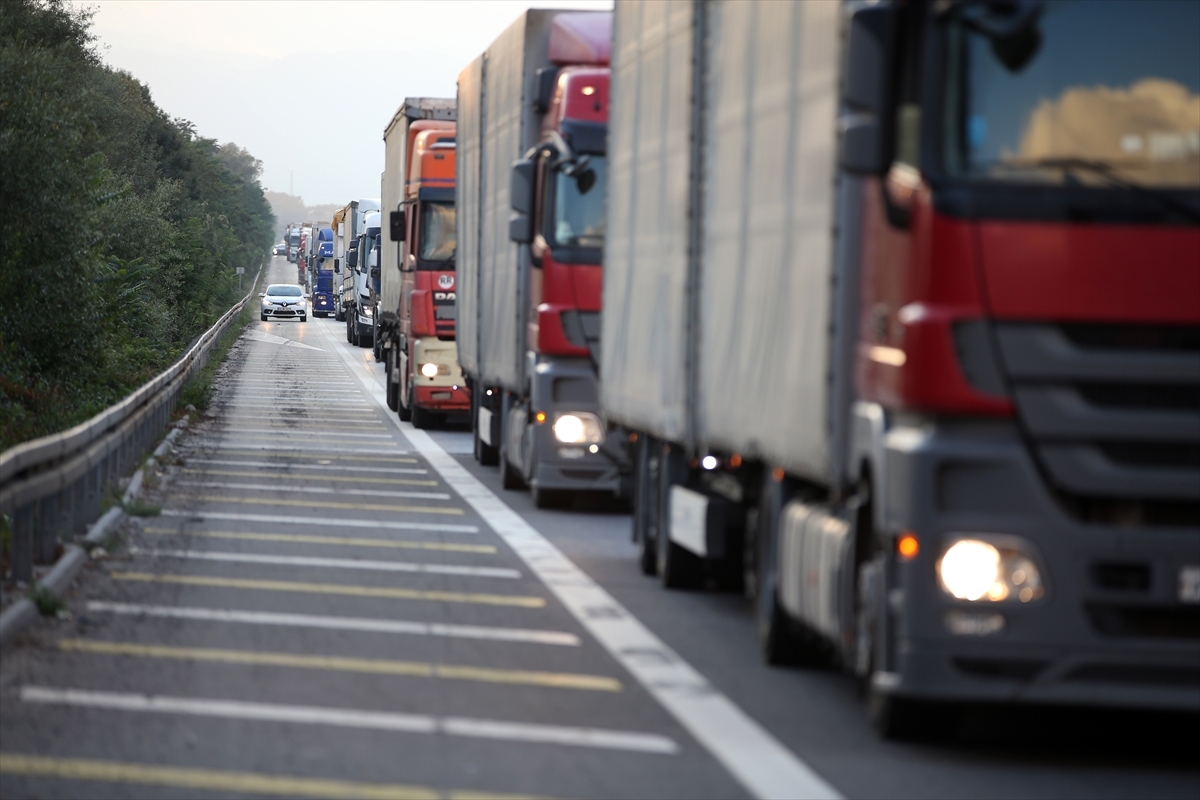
122,228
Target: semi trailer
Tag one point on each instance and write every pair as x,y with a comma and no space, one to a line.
902,304
532,123
416,323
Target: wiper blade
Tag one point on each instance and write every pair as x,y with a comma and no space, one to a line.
1104,170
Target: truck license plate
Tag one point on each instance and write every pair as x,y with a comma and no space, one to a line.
1189,584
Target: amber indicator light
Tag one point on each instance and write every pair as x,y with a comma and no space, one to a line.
907,546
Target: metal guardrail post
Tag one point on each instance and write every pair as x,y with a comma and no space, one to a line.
22,543
45,541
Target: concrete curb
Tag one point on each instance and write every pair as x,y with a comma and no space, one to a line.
22,614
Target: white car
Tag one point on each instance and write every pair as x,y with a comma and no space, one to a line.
284,301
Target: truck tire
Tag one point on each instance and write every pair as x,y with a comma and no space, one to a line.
393,387
678,568
423,418
780,638
375,351
349,323
644,508
509,477
405,409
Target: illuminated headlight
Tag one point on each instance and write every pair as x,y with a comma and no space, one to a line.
578,428
429,370
973,569
367,311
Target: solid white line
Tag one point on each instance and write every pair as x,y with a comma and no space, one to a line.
759,761
352,718
322,467
315,490
219,444
330,563
432,527
272,433
524,635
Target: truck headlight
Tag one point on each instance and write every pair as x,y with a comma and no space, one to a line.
578,428
974,569
429,370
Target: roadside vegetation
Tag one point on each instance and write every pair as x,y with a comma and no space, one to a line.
121,228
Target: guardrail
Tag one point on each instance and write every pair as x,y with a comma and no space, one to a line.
52,487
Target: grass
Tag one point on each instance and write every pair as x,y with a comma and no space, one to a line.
197,392
47,602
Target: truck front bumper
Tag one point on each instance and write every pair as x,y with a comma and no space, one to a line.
565,386
1089,639
445,391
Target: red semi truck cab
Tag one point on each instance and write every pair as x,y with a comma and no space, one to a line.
429,378
559,439
1028,356
565,289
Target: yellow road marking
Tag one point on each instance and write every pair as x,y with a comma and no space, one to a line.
257,501
315,476
211,780
392,593
313,456
306,539
375,666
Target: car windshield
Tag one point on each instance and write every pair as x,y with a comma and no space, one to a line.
437,231
578,215
283,290
1110,94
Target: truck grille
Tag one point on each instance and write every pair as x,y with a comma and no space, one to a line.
1113,415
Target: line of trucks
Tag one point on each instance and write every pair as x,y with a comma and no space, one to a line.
885,314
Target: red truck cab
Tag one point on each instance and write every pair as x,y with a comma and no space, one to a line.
429,380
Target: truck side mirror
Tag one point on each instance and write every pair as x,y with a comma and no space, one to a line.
522,186
865,89
520,228
547,80
396,226
374,272
352,259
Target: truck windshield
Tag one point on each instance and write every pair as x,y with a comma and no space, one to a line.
1110,95
579,216
437,232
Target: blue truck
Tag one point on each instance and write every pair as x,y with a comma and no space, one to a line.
321,274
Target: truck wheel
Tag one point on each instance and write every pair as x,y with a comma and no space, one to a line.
375,351
405,408
644,517
423,418
509,477
349,323
777,634
393,387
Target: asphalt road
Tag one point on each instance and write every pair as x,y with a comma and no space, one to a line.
335,604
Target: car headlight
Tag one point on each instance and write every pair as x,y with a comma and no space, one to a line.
997,571
578,427
429,370
367,310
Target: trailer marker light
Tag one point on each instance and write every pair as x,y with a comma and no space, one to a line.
735,461
777,474
709,462
633,437
540,417
908,546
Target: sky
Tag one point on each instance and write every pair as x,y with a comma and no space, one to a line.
307,87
